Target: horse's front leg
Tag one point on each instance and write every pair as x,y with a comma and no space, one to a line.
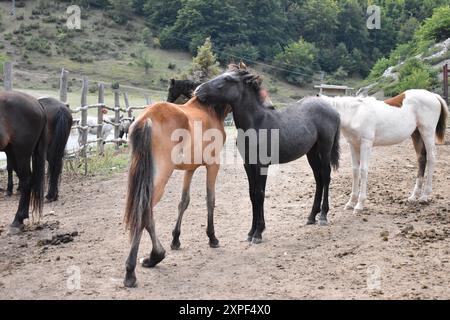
355,152
250,171
366,149
258,203
211,175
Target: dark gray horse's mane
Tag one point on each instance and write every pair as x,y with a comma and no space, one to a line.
251,79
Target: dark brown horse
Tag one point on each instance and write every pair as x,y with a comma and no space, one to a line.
178,88
23,137
59,122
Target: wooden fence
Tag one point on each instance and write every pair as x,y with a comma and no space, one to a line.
121,114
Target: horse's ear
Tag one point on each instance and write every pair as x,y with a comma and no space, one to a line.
172,81
242,65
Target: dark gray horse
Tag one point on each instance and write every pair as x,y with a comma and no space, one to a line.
309,126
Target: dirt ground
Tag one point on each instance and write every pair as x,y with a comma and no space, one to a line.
394,250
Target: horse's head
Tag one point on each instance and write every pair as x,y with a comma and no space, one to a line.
229,87
172,95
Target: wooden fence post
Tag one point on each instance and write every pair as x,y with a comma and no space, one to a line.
127,105
7,76
117,116
147,99
101,99
84,113
63,85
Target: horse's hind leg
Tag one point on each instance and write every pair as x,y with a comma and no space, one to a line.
315,163
325,174
355,152
10,166
24,174
130,277
182,206
163,173
421,152
428,140
211,176
366,150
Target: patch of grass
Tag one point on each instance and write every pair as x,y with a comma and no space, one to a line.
99,165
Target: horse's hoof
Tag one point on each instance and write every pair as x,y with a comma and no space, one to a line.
51,198
412,199
358,210
424,200
15,230
214,243
8,193
130,281
249,238
154,259
175,245
349,206
310,222
323,223
256,240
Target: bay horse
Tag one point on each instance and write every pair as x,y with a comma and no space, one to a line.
310,127
23,137
164,138
367,123
59,123
179,88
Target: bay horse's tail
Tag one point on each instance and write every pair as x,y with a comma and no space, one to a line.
55,154
140,178
336,149
442,123
38,172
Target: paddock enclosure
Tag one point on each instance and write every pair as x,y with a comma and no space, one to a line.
392,250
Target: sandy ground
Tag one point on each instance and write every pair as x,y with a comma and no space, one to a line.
392,251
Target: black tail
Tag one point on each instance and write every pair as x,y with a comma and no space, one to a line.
61,131
336,149
38,173
140,178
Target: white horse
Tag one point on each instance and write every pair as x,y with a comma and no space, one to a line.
91,123
367,122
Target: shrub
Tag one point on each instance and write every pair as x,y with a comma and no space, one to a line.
413,74
378,69
38,44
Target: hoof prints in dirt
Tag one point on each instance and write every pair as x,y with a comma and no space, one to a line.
58,239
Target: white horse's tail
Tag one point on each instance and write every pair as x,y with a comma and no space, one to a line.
442,123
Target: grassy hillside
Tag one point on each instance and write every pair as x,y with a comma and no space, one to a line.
39,43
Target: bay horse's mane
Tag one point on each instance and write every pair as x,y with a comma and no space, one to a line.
221,110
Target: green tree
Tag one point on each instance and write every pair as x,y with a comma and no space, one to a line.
199,19
161,13
143,58
436,28
318,21
204,66
298,62
242,51
121,10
